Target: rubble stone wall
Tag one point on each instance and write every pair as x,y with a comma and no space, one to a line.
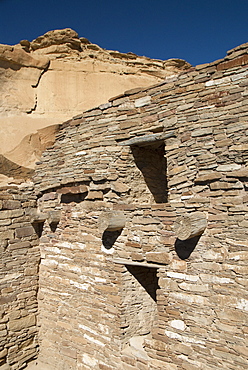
117,179
19,266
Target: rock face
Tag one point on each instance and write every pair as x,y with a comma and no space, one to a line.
29,150
59,75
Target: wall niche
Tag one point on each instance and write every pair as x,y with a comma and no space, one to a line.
151,161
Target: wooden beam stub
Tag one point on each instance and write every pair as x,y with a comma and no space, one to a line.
190,225
111,221
36,216
54,217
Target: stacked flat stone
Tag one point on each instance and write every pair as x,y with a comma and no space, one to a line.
20,256
136,296
90,279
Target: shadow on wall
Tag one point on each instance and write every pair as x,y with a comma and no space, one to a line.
184,248
38,228
70,198
151,162
147,277
110,237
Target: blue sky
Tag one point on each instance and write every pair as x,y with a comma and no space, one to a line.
195,30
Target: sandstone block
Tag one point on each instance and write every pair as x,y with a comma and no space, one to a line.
5,367
11,213
194,288
22,232
159,257
22,323
3,333
178,180
3,353
8,234
228,167
94,195
19,245
119,187
208,177
141,102
137,256
243,172
69,190
11,204
242,148
201,132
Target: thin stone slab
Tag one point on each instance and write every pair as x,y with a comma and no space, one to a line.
147,139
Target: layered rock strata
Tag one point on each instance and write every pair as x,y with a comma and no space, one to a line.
59,75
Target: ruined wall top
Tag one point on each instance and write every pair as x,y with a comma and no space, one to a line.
204,96
127,181
57,76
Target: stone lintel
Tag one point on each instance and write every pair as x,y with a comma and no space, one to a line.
147,139
122,261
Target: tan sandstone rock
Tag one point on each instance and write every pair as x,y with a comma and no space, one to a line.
59,75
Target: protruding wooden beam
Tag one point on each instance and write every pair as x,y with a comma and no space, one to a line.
36,216
111,221
190,225
53,217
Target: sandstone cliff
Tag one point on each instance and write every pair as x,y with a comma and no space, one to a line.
57,76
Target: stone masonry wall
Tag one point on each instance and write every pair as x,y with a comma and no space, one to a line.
114,183
19,264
